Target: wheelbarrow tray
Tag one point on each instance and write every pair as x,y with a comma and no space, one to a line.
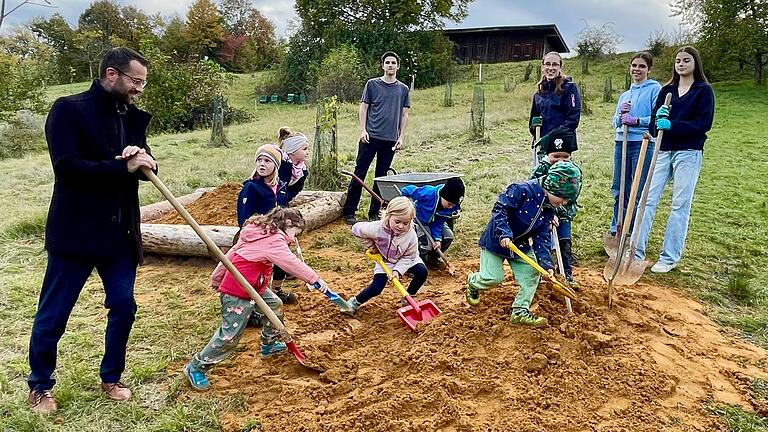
390,186
417,312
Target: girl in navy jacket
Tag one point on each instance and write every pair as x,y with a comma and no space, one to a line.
685,125
557,102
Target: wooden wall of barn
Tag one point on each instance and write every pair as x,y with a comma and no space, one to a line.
498,47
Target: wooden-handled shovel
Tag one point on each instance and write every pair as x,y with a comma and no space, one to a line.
612,266
278,325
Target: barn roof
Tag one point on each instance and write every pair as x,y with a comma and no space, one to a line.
550,31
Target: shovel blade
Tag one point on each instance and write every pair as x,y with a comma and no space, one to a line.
411,316
302,359
610,244
631,273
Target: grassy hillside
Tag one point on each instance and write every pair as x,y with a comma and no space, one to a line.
727,242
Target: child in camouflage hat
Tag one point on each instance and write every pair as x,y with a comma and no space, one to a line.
524,211
556,146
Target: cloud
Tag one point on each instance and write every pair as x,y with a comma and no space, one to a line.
634,20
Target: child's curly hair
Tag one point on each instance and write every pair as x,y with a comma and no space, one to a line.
400,206
278,218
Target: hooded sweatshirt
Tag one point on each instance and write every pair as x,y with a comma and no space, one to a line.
643,97
400,252
253,255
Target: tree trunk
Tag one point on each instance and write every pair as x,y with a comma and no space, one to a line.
181,240
218,138
165,239
305,197
161,208
759,65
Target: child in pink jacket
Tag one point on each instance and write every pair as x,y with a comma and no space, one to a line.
263,242
394,237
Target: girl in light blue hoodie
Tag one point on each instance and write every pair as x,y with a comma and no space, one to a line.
634,110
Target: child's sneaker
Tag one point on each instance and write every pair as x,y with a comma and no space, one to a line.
525,317
473,295
571,282
286,297
196,378
353,305
276,347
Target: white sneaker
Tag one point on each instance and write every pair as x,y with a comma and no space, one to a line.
661,267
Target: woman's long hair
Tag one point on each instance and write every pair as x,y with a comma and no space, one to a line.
698,71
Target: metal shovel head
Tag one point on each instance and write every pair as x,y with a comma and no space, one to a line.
424,311
611,243
631,271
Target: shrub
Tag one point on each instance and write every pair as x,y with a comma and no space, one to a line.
341,74
180,95
21,86
24,133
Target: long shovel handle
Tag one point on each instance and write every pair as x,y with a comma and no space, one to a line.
395,281
566,291
534,152
630,206
431,241
365,186
560,265
647,185
278,325
622,179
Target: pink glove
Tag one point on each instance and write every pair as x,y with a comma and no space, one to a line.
629,120
625,107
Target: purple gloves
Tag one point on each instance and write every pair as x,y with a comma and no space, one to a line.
625,106
629,120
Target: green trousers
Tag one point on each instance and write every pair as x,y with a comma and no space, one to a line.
491,274
234,318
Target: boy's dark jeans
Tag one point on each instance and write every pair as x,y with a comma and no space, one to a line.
64,279
382,151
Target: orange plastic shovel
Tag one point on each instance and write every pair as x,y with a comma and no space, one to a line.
414,313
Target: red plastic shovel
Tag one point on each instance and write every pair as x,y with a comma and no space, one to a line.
415,312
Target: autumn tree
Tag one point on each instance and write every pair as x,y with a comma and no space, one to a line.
734,31
204,31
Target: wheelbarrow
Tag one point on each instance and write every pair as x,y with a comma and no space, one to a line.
415,312
390,186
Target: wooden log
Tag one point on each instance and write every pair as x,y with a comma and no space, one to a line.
307,196
181,240
320,212
160,208
166,239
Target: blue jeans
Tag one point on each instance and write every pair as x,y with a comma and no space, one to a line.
683,168
64,279
633,154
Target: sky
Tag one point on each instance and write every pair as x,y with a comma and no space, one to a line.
634,20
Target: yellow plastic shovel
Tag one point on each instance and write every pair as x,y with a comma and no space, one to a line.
562,289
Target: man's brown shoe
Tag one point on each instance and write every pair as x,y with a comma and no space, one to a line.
42,402
117,391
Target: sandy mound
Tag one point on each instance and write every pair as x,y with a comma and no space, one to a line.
648,365
217,207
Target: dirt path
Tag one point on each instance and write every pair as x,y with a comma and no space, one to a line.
648,365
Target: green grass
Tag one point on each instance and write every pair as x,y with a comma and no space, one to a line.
727,238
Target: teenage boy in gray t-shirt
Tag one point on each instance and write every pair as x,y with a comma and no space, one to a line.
383,116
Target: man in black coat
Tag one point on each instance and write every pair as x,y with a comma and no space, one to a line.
97,143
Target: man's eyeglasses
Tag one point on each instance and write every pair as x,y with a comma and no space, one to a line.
140,83
548,64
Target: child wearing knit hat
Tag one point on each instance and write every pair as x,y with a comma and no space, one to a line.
558,145
523,212
293,169
436,208
261,193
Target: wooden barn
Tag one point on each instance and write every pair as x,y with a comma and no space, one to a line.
505,44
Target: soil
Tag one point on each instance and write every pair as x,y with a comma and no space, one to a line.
217,207
652,363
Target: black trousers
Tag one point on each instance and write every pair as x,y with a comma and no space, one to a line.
382,151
